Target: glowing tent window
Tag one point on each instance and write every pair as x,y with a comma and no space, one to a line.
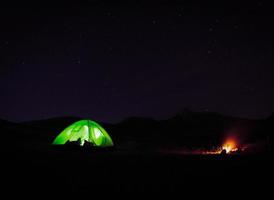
97,133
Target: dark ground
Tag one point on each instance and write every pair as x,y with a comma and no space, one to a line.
76,171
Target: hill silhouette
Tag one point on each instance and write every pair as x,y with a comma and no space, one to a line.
188,129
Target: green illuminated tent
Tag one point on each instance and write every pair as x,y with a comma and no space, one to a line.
84,131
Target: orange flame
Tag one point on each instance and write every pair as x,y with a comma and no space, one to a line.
230,146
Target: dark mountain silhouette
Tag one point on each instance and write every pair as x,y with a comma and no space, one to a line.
188,129
194,129
5,123
51,124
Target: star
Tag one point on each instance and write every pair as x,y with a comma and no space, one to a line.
260,3
105,84
4,44
248,88
217,20
109,14
209,52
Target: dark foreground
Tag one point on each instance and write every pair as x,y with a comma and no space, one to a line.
75,171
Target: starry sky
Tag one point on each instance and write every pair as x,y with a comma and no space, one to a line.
112,61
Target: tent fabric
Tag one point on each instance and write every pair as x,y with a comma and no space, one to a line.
84,131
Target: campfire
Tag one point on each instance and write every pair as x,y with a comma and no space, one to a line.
229,146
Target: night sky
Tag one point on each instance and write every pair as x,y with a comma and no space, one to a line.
112,61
